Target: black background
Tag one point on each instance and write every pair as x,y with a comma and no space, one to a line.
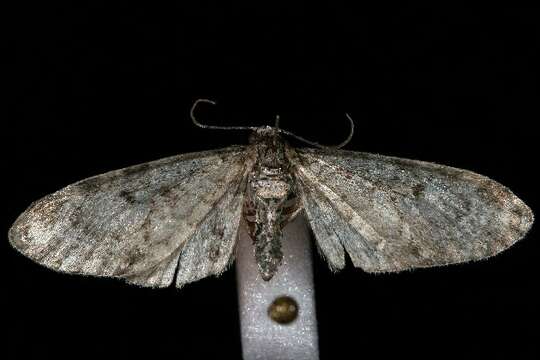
102,86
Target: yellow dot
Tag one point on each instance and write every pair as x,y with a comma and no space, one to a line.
283,310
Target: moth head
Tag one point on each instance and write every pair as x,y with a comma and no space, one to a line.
264,134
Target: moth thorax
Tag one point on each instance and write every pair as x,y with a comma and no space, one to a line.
263,134
272,172
271,188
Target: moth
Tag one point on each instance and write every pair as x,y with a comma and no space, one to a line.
177,219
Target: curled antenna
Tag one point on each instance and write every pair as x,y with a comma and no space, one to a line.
194,119
276,126
312,143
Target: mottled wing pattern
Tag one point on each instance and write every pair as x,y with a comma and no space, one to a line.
391,214
142,222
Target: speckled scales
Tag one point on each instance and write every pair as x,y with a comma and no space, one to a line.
211,248
133,223
330,229
405,213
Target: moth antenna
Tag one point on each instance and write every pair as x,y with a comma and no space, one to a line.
204,126
351,133
312,143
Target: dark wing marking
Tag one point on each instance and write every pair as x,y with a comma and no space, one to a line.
392,214
136,222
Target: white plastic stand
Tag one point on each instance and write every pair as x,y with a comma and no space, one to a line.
263,338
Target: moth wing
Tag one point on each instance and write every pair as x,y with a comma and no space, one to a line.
391,214
140,223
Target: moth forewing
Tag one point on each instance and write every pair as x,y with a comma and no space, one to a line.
133,223
401,214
